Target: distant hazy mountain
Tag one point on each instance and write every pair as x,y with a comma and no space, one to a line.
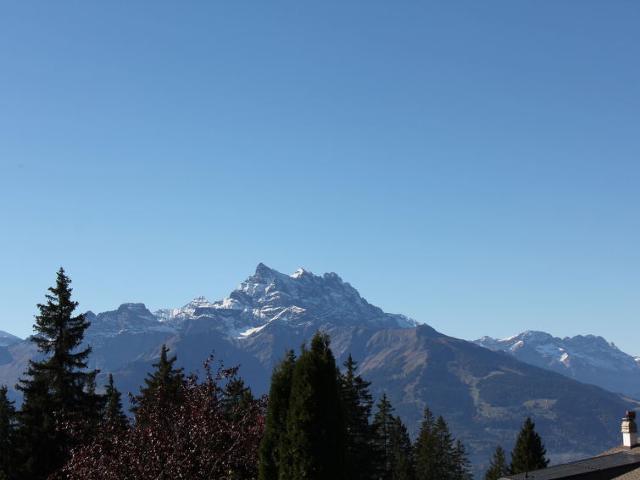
586,358
7,339
484,395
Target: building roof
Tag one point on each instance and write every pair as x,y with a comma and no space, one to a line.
632,451
632,475
611,465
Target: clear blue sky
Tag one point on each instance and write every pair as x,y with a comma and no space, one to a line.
475,165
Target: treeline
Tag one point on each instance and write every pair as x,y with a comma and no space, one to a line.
318,423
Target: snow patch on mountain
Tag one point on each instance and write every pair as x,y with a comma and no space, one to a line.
269,296
250,331
128,318
590,349
587,358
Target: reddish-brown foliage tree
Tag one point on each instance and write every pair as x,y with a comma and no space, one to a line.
205,436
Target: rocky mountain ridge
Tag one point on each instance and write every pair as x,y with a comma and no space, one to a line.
7,339
586,358
269,296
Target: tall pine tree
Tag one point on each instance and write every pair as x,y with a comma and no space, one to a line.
58,390
273,446
113,414
237,397
498,467
445,464
162,388
383,427
356,403
401,452
461,464
7,435
436,454
425,448
529,453
391,449
315,426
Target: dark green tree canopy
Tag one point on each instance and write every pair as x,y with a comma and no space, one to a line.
529,453
59,391
498,467
426,447
391,450
237,395
7,434
315,425
113,413
59,335
437,455
401,452
383,427
165,382
305,434
461,464
273,447
356,404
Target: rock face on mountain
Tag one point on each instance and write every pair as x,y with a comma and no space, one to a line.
269,297
483,394
586,358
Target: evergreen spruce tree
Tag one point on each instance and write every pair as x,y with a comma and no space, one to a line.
435,453
529,453
7,435
445,465
315,426
498,467
383,427
461,464
425,448
93,409
401,452
273,445
113,414
356,403
163,386
237,397
58,390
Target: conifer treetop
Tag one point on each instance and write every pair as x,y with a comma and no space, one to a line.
498,467
529,452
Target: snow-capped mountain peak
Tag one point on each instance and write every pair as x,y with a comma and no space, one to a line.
299,273
588,358
128,317
270,296
590,348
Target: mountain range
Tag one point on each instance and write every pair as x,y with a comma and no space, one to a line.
587,358
483,394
